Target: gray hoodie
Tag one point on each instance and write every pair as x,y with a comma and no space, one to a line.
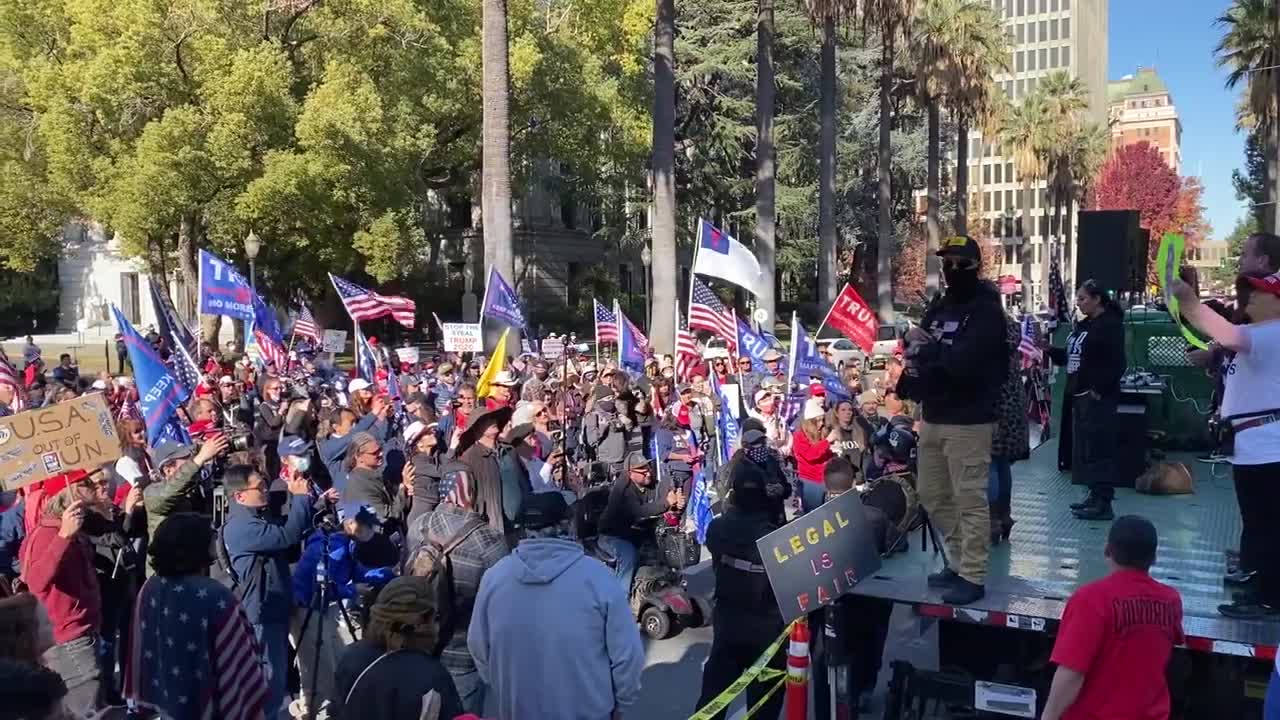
553,636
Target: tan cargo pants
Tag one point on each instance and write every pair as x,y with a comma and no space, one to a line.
953,465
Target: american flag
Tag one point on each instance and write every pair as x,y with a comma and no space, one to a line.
305,324
272,352
10,378
706,312
639,337
193,654
366,358
363,304
184,367
1031,353
686,348
1057,292
606,324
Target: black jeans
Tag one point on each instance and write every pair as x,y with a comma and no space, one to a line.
1093,443
731,654
77,662
1258,492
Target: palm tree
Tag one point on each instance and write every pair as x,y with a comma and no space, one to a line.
957,45
891,19
495,195
1087,151
1023,137
664,179
1065,101
766,158
828,14
1250,50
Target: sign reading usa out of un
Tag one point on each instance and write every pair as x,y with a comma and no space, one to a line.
814,559
223,291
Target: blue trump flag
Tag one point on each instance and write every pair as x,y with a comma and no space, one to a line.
223,290
631,345
726,424
500,301
807,363
159,392
699,504
752,345
264,319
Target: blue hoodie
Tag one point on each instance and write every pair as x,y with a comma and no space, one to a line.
543,598
345,571
333,450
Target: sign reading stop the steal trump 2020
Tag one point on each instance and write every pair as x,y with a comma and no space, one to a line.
814,559
73,435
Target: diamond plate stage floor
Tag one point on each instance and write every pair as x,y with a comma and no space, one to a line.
1050,553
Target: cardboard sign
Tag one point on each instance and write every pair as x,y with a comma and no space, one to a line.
552,348
816,558
73,435
407,355
334,341
463,337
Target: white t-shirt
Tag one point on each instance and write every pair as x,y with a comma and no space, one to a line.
1252,385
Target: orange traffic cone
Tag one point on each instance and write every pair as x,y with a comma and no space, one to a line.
797,704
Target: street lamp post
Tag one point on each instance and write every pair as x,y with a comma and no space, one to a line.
646,259
252,244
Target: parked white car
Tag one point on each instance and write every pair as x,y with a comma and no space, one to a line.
843,352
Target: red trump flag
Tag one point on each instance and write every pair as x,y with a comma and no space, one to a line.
852,316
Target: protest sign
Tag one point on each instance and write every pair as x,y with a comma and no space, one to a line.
407,355
463,337
819,557
1168,264
223,291
552,348
77,434
851,315
335,341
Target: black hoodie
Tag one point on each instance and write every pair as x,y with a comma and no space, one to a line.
957,378
1094,355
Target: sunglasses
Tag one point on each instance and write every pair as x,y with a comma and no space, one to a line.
959,264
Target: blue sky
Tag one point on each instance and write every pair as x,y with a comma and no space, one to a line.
1177,37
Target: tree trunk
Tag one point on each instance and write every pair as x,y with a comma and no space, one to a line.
1068,258
1046,247
1265,214
933,201
665,277
1024,246
884,240
962,178
1273,166
496,129
828,273
186,304
766,221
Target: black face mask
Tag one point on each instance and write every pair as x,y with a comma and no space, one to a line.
961,284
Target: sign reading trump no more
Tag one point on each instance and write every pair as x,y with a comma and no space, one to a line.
814,559
73,435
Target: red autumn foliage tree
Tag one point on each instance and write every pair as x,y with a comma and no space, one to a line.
1135,177
908,268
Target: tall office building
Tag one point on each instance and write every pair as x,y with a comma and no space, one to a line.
1046,36
1141,109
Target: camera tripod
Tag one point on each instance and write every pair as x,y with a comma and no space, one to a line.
320,599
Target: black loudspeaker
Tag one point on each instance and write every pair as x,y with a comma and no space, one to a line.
1112,250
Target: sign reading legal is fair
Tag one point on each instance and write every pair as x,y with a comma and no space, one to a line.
816,558
73,435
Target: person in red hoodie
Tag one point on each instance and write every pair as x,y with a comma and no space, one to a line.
58,568
811,447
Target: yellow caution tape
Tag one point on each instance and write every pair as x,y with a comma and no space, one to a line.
757,671
756,708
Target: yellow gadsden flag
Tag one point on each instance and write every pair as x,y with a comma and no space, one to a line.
497,360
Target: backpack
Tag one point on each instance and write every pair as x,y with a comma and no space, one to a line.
431,561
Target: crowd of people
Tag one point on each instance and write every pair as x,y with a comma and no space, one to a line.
419,542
